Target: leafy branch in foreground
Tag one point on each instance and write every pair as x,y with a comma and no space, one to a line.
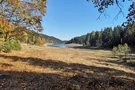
24,13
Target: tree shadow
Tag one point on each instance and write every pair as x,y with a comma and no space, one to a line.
65,67
119,62
91,48
5,65
129,63
100,77
12,80
113,57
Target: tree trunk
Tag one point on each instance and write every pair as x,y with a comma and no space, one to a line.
121,41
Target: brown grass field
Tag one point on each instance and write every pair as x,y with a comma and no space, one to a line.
51,68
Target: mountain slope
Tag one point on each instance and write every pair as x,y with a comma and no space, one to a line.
51,39
78,40
29,36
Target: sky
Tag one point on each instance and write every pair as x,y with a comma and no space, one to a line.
66,19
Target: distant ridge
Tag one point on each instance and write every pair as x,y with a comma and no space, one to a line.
51,39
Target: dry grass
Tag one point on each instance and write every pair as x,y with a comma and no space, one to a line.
57,68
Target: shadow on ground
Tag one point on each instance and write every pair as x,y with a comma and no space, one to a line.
126,62
91,48
85,78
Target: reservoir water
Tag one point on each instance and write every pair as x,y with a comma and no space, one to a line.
58,45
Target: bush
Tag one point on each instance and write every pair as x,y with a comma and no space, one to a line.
1,47
10,45
14,44
6,48
30,42
126,49
36,42
114,51
17,45
121,50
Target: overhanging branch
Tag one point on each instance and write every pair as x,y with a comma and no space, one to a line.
1,1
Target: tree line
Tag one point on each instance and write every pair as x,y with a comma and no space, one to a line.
108,37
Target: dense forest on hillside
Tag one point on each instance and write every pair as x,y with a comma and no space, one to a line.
28,36
108,37
50,39
78,40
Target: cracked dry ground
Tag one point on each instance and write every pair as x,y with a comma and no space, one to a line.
50,68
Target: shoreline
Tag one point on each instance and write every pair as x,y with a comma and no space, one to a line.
72,45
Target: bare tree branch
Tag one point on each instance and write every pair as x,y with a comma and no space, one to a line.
119,5
1,1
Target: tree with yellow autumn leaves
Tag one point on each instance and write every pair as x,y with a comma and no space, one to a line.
5,27
21,13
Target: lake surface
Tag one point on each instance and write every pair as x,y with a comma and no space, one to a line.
58,45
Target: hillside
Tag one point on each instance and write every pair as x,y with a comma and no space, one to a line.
77,40
29,36
50,39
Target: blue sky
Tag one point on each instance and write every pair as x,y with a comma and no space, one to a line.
66,19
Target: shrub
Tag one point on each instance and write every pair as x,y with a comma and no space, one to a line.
14,44
1,47
36,42
30,42
10,45
17,45
121,50
114,51
126,49
6,48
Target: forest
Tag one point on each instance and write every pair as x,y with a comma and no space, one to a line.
108,37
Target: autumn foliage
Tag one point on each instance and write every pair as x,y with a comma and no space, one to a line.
24,13
5,25
18,15
40,40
